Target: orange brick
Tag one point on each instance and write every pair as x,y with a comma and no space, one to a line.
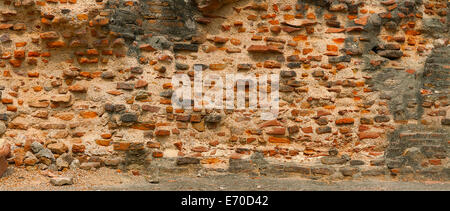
7,101
56,44
345,121
15,62
11,108
82,17
103,142
307,51
277,140
332,48
21,44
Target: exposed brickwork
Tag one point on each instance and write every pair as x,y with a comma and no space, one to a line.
364,86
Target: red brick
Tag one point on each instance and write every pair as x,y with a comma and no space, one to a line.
277,140
368,135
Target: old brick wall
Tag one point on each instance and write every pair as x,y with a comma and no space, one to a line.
364,86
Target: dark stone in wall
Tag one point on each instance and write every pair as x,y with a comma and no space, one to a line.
185,47
187,160
136,156
128,117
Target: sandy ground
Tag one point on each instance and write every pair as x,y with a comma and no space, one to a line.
110,179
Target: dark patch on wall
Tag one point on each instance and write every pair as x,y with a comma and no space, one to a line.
435,28
436,76
401,90
411,146
375,23
175,20
322,3
157,23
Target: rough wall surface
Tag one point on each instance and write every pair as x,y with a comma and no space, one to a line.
364,86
